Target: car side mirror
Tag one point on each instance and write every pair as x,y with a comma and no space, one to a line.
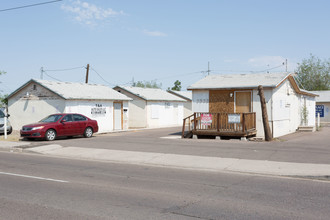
8,115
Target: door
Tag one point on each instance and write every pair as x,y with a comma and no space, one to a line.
242,102
66,126
117,116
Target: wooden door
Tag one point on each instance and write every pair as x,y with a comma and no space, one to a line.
243,102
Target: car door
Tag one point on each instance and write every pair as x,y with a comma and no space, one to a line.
80,123
66,126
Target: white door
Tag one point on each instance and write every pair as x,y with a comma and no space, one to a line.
117,116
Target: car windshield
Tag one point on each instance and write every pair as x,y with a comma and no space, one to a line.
2,115
51,118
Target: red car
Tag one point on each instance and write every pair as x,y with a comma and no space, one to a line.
57,125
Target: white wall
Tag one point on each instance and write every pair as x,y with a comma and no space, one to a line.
200,101
25,111
162,114
101,111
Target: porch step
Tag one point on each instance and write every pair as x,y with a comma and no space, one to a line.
306,128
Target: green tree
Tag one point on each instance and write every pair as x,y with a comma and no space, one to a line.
3,98
147,84
314,74
177,86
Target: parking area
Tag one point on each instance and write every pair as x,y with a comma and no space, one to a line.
298,147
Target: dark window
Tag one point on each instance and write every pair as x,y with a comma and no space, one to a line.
34,87
79,118
68,118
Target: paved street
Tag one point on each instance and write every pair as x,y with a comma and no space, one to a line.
298,147
41,187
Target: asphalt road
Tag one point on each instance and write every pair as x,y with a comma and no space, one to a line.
41,187
298,147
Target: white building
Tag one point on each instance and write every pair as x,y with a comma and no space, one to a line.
323,105
38,98
153,108
237,93
186,95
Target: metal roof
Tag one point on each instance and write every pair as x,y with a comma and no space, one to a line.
71,90
151,94
324,96
182,94
250,80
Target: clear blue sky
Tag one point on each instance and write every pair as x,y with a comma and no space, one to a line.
161,40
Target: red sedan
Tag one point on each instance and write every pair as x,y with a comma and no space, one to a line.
57,125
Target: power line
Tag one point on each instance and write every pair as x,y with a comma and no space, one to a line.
59,70
102,77
27,6
53,77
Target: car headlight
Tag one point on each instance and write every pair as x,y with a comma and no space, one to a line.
37,128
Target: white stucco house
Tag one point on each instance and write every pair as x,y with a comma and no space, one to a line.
186,95
323,106
288,106
38,98
152,108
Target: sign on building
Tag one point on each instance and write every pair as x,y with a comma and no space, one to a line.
319,109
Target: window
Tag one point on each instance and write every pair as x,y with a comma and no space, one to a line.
34,87
79,118
68,118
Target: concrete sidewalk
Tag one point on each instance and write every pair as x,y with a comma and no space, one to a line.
203,163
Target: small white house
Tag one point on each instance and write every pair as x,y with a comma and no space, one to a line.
186,95
288,106
323,106
38,98
152,108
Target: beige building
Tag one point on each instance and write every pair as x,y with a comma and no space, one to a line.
152,108
38,98
186,95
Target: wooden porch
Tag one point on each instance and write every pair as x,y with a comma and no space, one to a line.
219,124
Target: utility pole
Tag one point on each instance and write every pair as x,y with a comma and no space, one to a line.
87,71
208,68
268,134
42,73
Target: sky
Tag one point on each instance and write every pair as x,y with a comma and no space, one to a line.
156,40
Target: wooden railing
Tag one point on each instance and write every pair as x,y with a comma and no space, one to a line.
219,122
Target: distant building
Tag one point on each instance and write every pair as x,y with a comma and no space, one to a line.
151,108
186,95
38,98
323,105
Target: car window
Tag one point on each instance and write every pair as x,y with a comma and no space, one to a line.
51,118
79,118
67,118
2,115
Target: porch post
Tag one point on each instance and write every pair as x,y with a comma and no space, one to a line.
218,122
195,121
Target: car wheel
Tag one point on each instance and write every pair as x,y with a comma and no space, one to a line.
50,135
88,132
10,131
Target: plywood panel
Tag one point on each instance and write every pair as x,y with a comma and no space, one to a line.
221,101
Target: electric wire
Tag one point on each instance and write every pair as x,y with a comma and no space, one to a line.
102,77
27,6
52,77
59,70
